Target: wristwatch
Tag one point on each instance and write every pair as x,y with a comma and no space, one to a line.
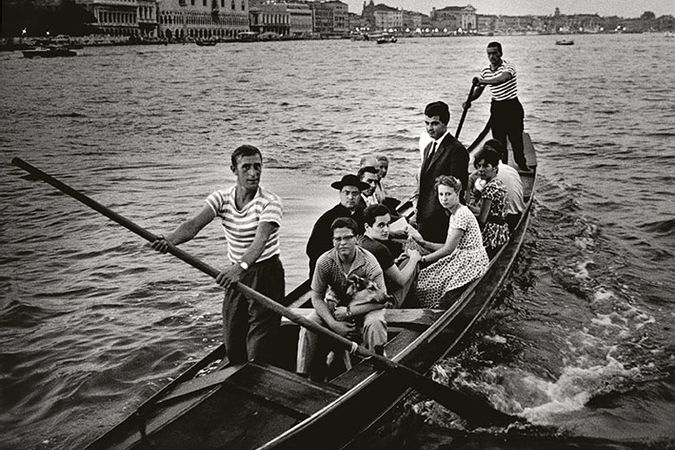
243,265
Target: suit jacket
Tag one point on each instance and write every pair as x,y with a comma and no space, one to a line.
450,158
321,239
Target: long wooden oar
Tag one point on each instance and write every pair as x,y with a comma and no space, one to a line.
474,410
467,105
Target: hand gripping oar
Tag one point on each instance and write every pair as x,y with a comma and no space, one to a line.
474,410
467,105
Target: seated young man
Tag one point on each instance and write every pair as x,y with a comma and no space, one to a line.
332,308
376,240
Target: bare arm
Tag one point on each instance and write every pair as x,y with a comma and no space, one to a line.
484,210
262,234
451,242
232,274
342,328
402,276
417,237
356,310
494,81
186,230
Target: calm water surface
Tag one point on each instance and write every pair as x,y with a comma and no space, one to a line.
92,323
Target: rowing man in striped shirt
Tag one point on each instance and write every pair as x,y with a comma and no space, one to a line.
250,216
506,111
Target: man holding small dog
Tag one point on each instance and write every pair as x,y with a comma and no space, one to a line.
355,311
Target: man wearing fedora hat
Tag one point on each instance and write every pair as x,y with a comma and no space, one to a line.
321,239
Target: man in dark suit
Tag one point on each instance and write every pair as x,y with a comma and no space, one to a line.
444,155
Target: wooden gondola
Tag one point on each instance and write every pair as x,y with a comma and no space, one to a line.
254,405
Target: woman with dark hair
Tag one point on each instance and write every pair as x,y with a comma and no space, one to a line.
458,261
491,209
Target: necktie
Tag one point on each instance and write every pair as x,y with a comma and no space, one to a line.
433,149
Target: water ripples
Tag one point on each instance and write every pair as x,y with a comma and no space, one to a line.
93,323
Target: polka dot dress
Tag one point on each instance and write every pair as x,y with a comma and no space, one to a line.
495,235
462,266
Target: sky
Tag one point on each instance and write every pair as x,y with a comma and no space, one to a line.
621,8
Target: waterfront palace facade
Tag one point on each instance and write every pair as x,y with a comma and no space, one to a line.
227,19
216,19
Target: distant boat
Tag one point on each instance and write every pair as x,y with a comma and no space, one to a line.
205,43
564,42
63,40
387,40
49,52
269,36
669,34
359,36
247,36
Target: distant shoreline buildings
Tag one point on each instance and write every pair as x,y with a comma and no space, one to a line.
181,20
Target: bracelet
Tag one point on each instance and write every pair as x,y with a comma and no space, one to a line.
349,312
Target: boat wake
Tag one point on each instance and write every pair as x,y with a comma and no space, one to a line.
573,329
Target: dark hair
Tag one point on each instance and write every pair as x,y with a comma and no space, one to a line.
369,169
489,155
344,222
244,150
496,145
439,109
374,211
381,158
447,180
497,45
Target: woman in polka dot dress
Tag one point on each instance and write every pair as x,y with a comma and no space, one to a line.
460,260
491,209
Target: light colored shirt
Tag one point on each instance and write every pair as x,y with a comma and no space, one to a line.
430,140
424,141
507,90
515,203
370,200
240,226
380,192
329,274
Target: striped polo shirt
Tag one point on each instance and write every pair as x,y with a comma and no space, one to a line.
240,225
506,90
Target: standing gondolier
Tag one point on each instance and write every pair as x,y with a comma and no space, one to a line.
251,216
506,111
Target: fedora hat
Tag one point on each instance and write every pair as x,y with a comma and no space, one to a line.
349,180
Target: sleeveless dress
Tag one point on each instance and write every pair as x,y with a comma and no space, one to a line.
465,264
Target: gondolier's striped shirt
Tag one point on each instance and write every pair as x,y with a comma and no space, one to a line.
507,90
240,226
